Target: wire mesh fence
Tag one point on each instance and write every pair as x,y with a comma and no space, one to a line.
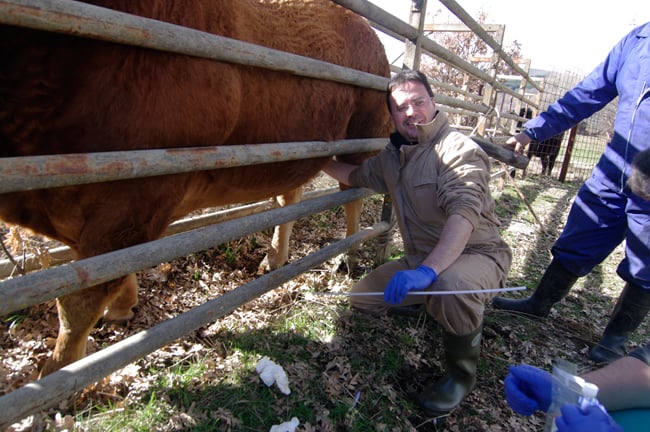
591,135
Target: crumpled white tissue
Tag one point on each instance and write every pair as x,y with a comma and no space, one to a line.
272,373
289,426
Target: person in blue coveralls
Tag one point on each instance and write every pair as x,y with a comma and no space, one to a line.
605,211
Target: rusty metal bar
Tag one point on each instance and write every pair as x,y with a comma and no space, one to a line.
203,220
458,10
59,255
81,19
395,26
46,392
63,254
38,172
35,288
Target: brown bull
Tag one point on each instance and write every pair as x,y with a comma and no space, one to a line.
60,94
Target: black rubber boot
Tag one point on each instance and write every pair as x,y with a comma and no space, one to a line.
631,308
462,355
555,284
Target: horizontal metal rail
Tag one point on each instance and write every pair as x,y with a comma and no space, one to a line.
393,26
475,27
35,288
38,172
46,392
63,254
81,19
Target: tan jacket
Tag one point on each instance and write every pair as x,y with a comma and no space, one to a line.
444,173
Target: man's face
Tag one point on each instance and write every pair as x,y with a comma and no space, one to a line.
411,105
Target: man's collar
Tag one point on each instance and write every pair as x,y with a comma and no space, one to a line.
398,140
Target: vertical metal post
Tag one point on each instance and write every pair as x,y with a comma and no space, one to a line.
412,50
489,96
522,89
567,154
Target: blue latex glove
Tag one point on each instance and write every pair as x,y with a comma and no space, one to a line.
406,280
528,389
592,419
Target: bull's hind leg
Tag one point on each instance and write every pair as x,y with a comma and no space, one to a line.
121,309
78,314
352,225
278,253
352,211
110,225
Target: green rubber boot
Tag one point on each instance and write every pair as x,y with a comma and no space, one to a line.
462,355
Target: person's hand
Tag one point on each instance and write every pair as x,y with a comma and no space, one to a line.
592,419
406,280
528,389
518,142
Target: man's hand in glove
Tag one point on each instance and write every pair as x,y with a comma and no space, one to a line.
528,389
407,280
592,419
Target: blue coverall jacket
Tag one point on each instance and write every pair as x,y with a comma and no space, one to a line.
605,212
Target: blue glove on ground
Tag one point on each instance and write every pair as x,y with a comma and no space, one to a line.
406,280
593,419
528,389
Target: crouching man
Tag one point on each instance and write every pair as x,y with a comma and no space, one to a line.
438,181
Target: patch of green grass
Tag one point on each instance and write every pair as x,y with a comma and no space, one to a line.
229,252
311,323
138,418
15,319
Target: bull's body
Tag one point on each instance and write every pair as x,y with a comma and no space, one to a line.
61,94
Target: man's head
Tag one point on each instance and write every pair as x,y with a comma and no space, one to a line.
410,102
640,179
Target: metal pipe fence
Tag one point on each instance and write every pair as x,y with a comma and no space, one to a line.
80,19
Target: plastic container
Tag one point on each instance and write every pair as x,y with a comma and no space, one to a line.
567,389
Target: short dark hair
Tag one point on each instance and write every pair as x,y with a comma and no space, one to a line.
404,76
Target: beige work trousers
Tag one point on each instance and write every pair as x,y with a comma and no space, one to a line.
458,314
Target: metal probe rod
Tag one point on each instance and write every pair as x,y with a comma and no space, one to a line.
422,293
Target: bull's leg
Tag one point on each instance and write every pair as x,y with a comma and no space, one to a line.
352,221
353,208
78,314
278,253
121,309
109,226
